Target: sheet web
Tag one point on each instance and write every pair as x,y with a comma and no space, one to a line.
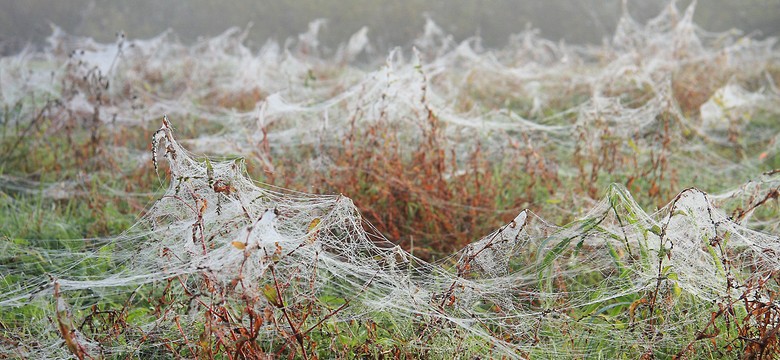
221,257
221,264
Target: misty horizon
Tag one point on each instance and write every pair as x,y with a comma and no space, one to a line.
389,24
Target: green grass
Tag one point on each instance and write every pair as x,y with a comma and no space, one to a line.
427,193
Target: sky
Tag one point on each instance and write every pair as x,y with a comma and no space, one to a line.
390,23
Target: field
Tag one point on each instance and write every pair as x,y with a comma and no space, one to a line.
538,201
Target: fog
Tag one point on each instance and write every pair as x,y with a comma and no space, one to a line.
390,23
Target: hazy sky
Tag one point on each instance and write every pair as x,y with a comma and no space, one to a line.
390,22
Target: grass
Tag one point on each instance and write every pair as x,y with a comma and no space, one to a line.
423,184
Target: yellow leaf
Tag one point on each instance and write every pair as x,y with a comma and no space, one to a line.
314,224
634,305
633,146
239,245
313,231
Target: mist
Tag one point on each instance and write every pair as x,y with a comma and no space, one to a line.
389,23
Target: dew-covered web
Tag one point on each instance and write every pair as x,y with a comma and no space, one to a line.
220,261
219,243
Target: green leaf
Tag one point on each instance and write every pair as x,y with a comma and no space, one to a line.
272,296
656,230
555,252
210,172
